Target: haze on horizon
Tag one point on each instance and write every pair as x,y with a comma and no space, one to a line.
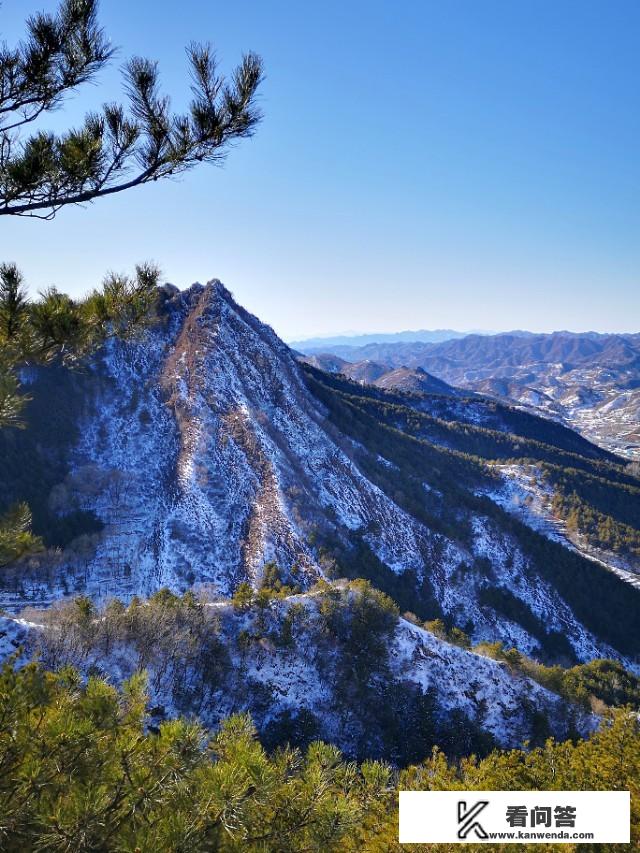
421,165
457,332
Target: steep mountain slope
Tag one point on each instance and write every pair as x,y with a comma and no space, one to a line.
203,450
588,381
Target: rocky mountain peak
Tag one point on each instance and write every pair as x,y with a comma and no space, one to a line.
204,451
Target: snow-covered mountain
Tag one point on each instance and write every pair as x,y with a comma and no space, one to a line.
204,455
373,373
316,664
590,382
203,450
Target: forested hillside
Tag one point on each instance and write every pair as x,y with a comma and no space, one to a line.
330,561
587,381
83,771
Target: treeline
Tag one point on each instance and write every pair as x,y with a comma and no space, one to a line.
355,559
553,644
494,426
595,686
479,441
599,529
468,438
607,514
81,770
605,605
405,451
602,602
621,501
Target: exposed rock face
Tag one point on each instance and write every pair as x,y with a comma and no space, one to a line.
205,455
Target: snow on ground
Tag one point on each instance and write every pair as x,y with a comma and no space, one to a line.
13,635
525,494
478,685
208,456
485,690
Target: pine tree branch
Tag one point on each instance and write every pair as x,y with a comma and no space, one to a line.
114,150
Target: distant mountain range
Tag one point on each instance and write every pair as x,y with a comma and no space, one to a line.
588,381
381,375
360,340
203,454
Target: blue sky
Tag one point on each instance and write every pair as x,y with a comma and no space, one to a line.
460,163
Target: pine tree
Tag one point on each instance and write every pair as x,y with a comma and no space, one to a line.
114,150
13,302
82,771
118,148
55,326
243,596
16,538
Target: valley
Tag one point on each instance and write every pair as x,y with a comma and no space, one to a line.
199,476
360,593
589,382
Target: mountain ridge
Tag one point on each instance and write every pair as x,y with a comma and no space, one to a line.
206,452
589,381
197,486
361,338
